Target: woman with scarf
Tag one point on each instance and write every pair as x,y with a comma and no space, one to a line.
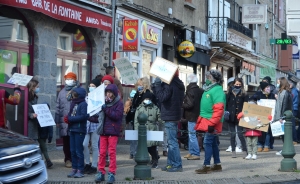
284,101
266,140
113,112
235,99
143,86
76,119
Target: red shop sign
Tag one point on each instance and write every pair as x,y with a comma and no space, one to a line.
65,12
130,35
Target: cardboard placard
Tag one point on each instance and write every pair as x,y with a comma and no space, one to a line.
163,69
44,115
268,103
95,100
255,115
128,73
21,79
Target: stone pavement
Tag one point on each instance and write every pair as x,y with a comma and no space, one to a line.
235,170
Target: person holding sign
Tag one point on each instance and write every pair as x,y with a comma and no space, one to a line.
284,101
34,128
266,140
76,120
10,99
210,119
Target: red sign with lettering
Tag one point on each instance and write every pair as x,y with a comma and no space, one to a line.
130,35
65,12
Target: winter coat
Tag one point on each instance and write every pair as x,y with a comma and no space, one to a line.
284,103
213,99
113,114
5,98
78,116
191,102
33,124
171,99
62,109
234,105
295,98
153,114
45,132
252,133
260,95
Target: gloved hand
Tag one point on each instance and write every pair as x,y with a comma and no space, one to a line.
157,81
240,115
211,129
66,119
49,139
270,117
103,106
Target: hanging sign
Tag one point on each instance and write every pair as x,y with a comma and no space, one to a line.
186,49
130,35
64,11
149,34
254,14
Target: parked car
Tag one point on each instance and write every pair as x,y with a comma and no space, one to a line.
20,159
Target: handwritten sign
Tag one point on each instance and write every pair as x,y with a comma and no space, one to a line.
44,115
151,135
255,116
268,103
128,73
277,128
96,100
21,79
163,69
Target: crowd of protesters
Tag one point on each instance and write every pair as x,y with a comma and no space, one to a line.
202,109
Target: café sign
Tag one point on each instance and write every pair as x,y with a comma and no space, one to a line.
254,14
149,34
186,49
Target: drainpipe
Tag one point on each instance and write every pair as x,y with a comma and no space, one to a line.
112,35
273,4
257,33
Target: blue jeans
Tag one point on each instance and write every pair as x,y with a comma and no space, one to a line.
211,149
193,141
76,146
174,158
269,141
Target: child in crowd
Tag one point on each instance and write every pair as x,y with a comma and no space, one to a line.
76,119
153,114
113,110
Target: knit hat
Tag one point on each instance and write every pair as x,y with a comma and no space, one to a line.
231,79
263,85
71,75
96,82
216,75
109,78
192,78
268,79
147,94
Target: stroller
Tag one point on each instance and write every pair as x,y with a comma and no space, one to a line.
183,137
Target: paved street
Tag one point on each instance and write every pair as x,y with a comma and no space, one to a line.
235,170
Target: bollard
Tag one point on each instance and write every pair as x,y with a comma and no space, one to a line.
288,164
142,171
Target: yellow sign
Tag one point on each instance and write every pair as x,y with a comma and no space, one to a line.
186,49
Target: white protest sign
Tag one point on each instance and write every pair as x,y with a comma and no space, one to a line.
151,135
277,128
268,103
163,69
44,115
21,79
128,73
96,100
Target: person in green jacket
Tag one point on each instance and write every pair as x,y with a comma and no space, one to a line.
153,114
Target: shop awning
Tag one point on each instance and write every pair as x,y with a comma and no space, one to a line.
65,12
244,58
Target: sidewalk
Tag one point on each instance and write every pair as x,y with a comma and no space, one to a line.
235,170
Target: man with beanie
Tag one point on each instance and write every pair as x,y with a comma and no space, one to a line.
191,107
272,87
110,70
210,119
171,99
63,102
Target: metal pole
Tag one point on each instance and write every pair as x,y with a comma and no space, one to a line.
112,35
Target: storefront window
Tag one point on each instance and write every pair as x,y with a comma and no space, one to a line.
147,59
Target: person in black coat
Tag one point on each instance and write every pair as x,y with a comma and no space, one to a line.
235,99
191,107
265,142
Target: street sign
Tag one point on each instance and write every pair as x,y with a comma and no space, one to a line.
281,41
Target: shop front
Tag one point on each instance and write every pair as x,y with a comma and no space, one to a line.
269,69
47,41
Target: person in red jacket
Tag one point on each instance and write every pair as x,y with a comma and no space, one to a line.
10,99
